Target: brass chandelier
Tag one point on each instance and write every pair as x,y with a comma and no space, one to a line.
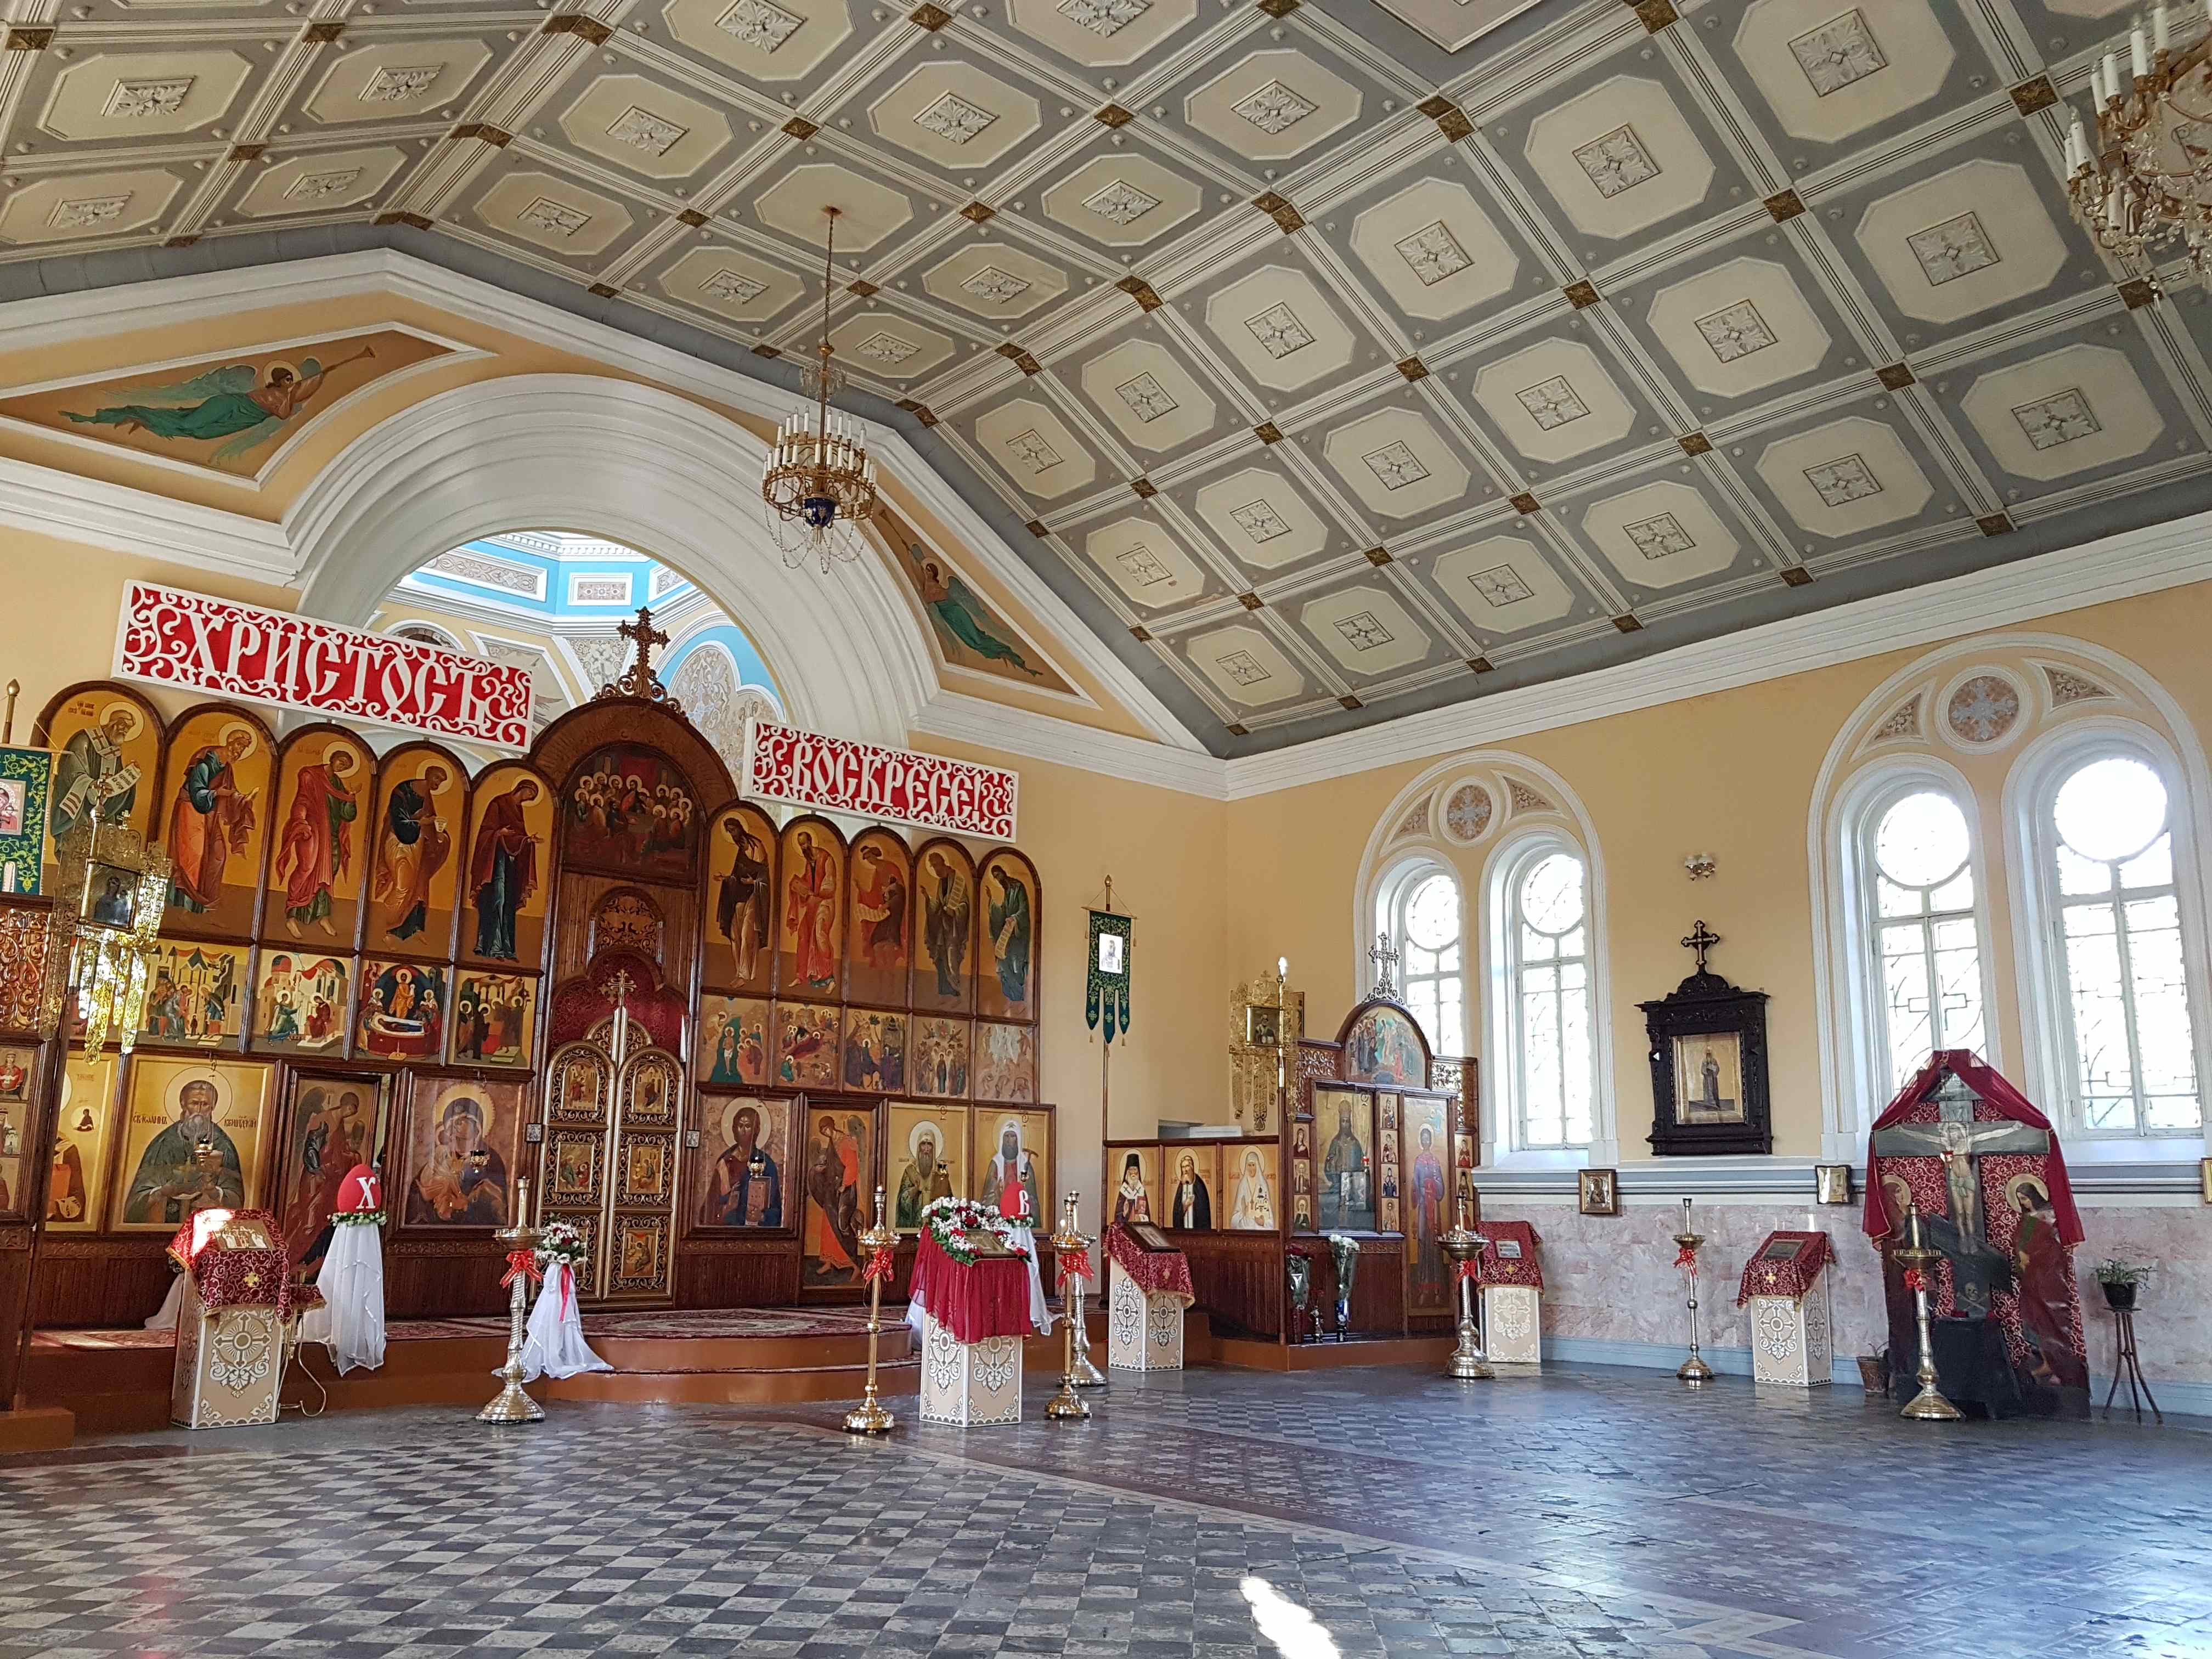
820,484
2143,183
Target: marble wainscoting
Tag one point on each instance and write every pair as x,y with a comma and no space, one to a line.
1611,1293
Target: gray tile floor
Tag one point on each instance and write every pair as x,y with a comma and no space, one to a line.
1199,1516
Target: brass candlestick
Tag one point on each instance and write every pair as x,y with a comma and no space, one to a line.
513,1405
1067,1405
1694,1372
1461,1245
1928,1405
1087,1374
870,1416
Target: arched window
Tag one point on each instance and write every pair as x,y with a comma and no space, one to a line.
2102,832
1543,935
1917,864
1420,910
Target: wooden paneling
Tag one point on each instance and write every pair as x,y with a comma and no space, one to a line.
99,1282
443,1280
1238,1277
737,1273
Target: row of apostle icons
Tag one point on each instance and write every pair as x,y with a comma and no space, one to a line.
764,1160
275,1000
317,844
804,913
749,1042
143,1142
314,842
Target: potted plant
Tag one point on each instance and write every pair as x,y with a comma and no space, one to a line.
2119,1279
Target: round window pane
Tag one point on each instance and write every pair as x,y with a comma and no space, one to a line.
1432,913
2110,809
1921,841
1551,894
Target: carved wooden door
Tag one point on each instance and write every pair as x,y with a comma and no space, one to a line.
611,1153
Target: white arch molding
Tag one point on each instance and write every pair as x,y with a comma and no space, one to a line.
636,465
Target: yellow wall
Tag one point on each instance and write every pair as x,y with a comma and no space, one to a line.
1730,774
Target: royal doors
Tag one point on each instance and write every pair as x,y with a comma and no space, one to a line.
612,1150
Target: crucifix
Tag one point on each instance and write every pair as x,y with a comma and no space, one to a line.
644,636
1384,957
617,986
1701,939
1960,1141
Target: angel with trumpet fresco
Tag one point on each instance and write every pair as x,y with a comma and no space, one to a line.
246,405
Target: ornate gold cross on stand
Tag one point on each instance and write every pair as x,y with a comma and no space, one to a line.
639,680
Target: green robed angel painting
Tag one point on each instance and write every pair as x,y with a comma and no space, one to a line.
231,414
969,631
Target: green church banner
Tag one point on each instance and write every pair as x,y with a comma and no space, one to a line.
1106,989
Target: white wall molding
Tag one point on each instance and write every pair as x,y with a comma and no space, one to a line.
962,719
142,525
620,458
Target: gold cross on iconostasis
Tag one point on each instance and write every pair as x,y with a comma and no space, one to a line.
639,680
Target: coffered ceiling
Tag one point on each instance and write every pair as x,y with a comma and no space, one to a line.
1334,360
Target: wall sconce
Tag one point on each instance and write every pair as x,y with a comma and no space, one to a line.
1700,865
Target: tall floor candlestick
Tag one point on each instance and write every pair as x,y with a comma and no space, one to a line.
1087,1374
1071,1248
1928,1405
871,1416
521,1242
1462,1245
1694,1371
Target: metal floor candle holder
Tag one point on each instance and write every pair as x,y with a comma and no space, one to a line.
1068,1406
1462,1246
513,1405
1694,1372
1928,1405
871,1416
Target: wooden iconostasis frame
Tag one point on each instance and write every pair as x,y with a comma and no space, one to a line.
1240,1274
592,904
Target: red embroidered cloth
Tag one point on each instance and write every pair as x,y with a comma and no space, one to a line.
252,1277
1156,1272
1776,1276
1492,1269
989,1297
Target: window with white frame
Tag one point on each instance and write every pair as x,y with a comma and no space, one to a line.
1544,930
2104,836
1420,910
1920,928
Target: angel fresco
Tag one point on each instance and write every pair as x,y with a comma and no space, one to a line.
234,401
962,615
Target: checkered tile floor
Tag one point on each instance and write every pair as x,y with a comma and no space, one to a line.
1197,1517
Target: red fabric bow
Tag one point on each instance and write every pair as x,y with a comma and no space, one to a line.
1463,1271
1074,1264
1686,1256
519,1263
1914,1281
879,1267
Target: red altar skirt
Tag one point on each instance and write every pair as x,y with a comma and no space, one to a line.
988,1298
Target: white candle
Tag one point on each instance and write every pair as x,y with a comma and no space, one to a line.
2160,28
2077,143
2112,77
2139,51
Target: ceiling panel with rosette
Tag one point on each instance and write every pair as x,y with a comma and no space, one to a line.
1335,360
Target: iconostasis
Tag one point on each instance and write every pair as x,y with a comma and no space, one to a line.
706,1035
1379,1144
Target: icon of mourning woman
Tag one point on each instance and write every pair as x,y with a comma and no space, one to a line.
237,402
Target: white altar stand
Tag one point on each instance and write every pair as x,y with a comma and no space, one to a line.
1512,1286
970,1384
1785,1286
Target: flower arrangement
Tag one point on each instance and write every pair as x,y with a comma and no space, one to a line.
952,1221
563,1244
357,1217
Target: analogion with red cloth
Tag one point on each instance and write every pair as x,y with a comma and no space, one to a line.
987,1297
1156,1272
238,1274
1778,1269
1984,1168
1509,1256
